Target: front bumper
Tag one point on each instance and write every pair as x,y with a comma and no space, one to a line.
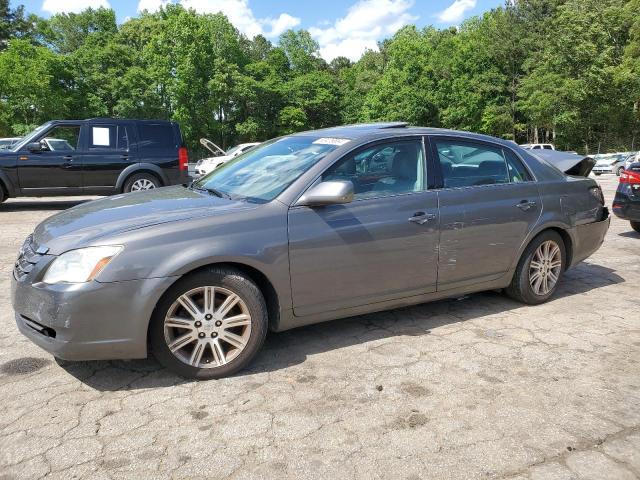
91,321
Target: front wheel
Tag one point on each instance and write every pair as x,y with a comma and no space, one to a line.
210,324
539,269
636,226
619,171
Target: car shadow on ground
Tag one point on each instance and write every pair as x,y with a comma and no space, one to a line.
38,205
630,234
290,348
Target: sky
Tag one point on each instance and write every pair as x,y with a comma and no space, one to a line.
341,27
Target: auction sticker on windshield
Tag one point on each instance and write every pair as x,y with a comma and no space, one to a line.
330,141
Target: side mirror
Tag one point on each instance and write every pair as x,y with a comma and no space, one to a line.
34,147
328,193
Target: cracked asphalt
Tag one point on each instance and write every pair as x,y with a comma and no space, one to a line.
478,387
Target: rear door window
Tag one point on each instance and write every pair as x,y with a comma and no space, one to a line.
156,136
108,137
468,164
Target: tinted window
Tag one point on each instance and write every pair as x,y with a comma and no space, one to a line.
61,138
108,137
467,164
548,147
382,170
157,136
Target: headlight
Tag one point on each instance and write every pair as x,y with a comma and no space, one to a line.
79,266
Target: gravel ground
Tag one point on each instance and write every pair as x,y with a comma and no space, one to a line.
478,387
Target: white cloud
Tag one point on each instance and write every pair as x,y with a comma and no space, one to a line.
455,12
240,14
366,22
281,24
72,6
152,5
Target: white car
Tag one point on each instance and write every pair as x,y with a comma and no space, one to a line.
8,143
207,165
537,146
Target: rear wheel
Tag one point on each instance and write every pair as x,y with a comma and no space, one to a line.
539,270
636,226
3,196
141,181
210,324
619,171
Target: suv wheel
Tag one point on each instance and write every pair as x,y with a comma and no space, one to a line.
635,226
539,270
141,181
209,325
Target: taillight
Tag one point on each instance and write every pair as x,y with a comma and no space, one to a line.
183,158
597,192
629,176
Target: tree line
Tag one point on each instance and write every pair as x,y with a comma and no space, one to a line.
567,72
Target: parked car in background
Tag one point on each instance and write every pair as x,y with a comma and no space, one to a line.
207,165
626,204
100,156
610,163
538,146
304,228
7,143
633,158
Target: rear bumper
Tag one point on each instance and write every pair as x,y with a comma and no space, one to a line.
93,321
589,237
607,169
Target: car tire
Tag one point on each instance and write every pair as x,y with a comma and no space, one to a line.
141,181
3,196
532,289
213,346
619,171
597,174
635,226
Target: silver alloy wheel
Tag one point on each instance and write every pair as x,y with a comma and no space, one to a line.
207,327
142,184
545,267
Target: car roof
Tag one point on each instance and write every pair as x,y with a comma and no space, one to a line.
362,131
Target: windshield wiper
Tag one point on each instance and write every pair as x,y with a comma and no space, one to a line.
215,192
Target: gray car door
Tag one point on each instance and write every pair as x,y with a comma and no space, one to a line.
489,202
379,247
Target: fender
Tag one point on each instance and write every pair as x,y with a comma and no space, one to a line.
140,167
7,184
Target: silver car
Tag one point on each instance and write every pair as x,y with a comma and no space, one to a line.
305,228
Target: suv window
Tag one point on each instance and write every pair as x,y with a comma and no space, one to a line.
382,170
61,138
156,136
105,137
466,164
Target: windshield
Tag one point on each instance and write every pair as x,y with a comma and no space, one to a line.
263,172
27,138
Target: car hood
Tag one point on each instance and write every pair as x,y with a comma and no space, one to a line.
92,221
569,163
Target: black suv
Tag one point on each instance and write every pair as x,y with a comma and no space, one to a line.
100,156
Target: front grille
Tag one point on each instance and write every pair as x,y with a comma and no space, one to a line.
27,259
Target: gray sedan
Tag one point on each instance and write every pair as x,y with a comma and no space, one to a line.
305,228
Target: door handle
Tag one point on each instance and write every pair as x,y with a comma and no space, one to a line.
421,217
525,205
68,158
124,156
